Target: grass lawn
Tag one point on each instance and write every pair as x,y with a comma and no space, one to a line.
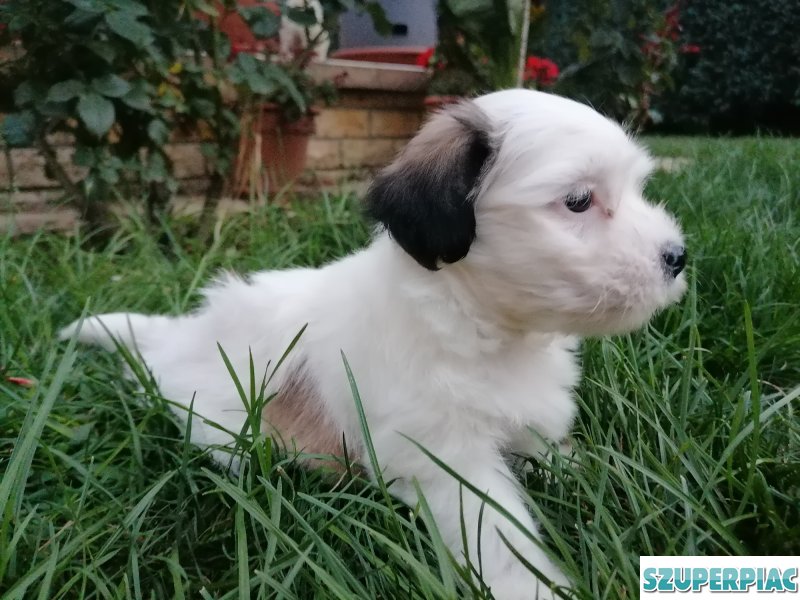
688,440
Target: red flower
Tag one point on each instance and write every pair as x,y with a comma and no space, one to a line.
240,47
424,59
429,59
650,48
540,70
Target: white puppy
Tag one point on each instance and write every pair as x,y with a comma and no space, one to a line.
513,224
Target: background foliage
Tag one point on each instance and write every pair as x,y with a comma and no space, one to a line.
715,66
480,40
599,46
747,73
122,76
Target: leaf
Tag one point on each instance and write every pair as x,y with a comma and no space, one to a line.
466,8
209,150
111,86
92,6
379,21
80,17
24,94
108,174
247,62
158,131
80,433
18,129
125,25
204,108
288,85
263,22
84,156
138,98
57,110
222,45
302,16
130,6
19,22
156,168
260,84
137,513
96,112
104,50
206,8
65,91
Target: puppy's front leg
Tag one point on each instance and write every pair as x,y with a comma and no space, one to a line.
527,443
507,577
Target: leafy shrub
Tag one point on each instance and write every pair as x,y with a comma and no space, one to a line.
615,54
478,48
117,75
747,72
122,75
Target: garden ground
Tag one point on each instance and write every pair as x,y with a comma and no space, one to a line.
688,439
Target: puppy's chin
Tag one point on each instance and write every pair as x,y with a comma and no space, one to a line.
615,320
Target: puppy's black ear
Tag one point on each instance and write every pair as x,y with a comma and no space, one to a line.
425,198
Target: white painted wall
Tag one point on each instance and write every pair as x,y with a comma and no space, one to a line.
418,15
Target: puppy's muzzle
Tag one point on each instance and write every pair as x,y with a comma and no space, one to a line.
673,257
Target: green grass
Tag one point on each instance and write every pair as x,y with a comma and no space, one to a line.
688,440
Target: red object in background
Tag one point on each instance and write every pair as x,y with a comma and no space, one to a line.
284,146
540,70
283,149
424,59
239,47
397,55
670,30
23,381
238,31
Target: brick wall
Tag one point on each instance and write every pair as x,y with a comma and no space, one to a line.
359,135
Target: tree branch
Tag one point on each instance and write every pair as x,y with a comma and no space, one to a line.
70,188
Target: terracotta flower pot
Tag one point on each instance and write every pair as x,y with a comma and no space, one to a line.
272,151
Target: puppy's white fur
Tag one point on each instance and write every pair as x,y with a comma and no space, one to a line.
463,359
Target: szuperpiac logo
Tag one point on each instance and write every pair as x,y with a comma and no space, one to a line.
719,576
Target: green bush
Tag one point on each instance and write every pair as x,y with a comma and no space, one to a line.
479,40
119,75
122,75
617,55
747,73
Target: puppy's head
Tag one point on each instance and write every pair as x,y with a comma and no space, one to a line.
534,204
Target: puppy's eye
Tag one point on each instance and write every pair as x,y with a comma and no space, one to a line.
579,202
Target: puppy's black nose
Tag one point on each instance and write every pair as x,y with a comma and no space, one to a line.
674,259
